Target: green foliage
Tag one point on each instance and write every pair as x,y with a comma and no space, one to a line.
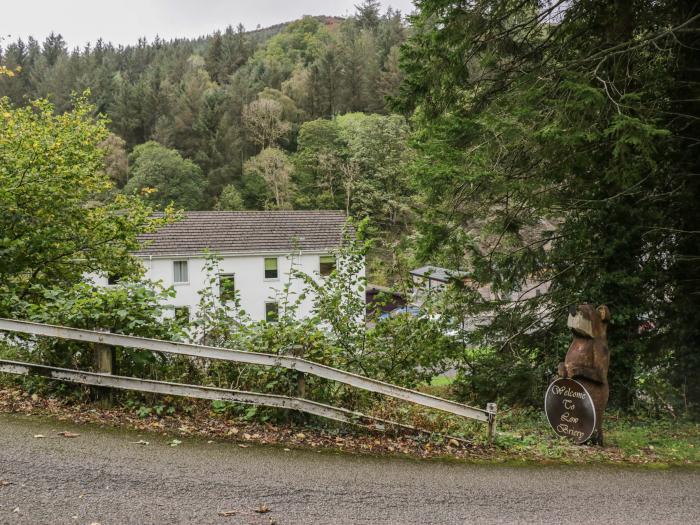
164,178
55,225
230,199
552,146
128,307
62,224
191,94
486,375
357,162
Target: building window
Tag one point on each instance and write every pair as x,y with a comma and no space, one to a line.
271,268
180,272
326,264
182,314
271,312
227,287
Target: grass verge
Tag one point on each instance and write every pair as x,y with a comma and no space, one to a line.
523,438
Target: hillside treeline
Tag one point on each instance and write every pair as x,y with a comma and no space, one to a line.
240,119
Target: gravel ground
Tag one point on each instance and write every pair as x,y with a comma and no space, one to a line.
103,476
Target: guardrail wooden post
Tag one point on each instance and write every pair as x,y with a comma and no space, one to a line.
491,408
104,364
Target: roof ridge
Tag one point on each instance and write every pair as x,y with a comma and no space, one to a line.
271,212
247,231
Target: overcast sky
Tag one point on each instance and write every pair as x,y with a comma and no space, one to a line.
124,21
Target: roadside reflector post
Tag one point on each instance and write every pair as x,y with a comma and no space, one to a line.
492,409
298,351
104,364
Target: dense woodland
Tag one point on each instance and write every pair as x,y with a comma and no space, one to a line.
526,142
237,119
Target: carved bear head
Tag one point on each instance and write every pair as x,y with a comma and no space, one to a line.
585,320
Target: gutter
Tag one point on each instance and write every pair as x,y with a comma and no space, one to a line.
232,254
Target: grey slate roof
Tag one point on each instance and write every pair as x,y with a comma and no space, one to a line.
246,232
438,274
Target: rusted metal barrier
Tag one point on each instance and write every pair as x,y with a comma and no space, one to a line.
225,354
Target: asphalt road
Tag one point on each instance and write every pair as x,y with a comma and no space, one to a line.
103,477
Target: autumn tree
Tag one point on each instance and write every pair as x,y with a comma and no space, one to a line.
263,121
116,162
272,166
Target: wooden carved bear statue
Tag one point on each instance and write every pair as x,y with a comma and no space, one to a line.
588,358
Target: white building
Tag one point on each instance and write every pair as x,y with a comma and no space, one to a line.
257,249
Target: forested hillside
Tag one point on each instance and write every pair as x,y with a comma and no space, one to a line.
239,119
538,145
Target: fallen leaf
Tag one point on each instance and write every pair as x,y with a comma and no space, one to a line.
5,483
453,442
16,510
39,436
233,431
301,436
141,442
227,513
68,434
243,446
174,442
262,509
246,436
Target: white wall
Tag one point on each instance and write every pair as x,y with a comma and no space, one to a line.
249,271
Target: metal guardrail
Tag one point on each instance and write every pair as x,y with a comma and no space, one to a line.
210,352
200,392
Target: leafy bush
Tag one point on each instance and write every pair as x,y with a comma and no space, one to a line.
128,308
487,375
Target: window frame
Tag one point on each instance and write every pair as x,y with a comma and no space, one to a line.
277,317
277,269
187,269
321,263
232,276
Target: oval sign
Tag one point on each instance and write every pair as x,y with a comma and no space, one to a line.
569,409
